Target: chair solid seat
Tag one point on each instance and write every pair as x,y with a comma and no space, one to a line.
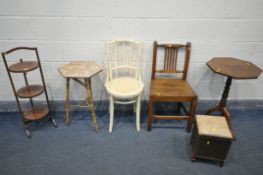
171,90
124,87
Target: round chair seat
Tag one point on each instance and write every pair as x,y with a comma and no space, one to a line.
124,87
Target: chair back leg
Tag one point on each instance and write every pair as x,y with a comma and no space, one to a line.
138,106
111,113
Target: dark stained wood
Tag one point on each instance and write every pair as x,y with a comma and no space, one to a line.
18,48
209,147
170,60
234,68
36,113
171,90
24,66
30,91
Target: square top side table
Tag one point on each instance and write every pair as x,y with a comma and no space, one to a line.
78,70
231,68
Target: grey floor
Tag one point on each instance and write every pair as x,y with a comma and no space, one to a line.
80,150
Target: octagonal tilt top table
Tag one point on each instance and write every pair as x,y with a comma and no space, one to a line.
231,68
78,70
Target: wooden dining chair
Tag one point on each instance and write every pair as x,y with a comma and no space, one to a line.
168,82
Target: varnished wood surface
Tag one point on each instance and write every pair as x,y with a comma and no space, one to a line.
171,90
19,48
234,68
171,58
30,91
36,113
24,66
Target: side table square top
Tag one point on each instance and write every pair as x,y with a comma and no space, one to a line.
80,69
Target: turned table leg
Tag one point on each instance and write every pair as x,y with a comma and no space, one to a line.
221,107
222,104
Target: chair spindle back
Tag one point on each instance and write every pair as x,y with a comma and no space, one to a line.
124,55
171,58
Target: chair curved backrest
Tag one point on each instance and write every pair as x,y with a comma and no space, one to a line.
170,58
124,57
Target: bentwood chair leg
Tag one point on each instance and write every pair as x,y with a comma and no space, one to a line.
150,114
90,103
67,101
138,106
111,113
135,106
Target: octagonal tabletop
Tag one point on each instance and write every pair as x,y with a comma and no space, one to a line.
80,69
234,68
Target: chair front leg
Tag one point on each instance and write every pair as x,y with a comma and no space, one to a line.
150,114
138,111
111,113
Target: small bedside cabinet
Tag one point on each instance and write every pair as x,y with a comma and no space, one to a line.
211,138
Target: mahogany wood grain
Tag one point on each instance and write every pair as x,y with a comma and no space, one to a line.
24,66
234,68
30,91
36,113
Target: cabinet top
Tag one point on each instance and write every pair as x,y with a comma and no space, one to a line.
213,126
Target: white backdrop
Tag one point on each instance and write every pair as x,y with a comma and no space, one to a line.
66,30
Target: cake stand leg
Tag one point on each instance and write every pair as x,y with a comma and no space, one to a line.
53,121
28,133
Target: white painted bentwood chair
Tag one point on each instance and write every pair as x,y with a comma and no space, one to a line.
123,82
